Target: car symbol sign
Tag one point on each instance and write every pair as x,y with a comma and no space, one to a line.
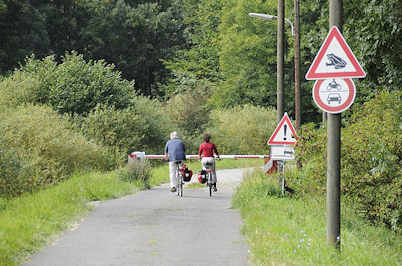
334,95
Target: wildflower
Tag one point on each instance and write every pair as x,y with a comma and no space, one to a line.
302,240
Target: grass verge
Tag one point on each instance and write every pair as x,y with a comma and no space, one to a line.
28,222
291,231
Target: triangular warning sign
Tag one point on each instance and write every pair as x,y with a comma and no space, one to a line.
335,59
284,134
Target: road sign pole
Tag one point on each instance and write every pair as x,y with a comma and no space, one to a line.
333,180
280,60
333,151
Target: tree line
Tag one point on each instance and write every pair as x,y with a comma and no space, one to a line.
170,46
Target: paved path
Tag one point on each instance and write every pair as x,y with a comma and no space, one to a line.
155,227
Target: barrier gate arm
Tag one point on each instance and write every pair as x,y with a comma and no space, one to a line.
270,165
150,156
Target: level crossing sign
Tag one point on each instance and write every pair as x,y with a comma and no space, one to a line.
335,59
284,134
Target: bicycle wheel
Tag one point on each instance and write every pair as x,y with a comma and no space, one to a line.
178,181
210,184
181,186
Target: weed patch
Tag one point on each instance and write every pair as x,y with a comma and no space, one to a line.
292,231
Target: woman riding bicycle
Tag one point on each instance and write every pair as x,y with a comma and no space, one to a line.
206,154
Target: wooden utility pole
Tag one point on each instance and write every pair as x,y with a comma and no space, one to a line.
280,60
334,151
297,65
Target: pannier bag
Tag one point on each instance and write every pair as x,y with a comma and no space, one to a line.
187,173
202,177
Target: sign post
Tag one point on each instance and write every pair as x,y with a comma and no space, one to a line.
334,92
281,141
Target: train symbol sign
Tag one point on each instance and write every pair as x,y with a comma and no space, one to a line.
335,59
334,95
284,134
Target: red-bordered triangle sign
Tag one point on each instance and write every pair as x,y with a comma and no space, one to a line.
284,134
335,59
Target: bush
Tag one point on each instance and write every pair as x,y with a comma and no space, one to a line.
371,159
75,86
18,89
42,149
136,171
243,129
371,153
140,127
189,114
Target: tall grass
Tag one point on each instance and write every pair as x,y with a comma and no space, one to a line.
29,222
292,231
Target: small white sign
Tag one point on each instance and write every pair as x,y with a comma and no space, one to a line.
282,152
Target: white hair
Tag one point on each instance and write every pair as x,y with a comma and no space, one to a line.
173,135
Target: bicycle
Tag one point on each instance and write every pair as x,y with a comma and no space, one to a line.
208,170
179,178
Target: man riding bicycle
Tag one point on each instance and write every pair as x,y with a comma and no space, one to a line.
206,153
174,151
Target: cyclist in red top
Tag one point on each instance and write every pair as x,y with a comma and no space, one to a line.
206,153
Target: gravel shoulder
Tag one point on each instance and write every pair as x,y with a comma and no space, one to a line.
155,227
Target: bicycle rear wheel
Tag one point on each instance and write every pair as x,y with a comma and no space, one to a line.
181,186
210,184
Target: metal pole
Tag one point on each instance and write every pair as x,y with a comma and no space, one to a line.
280,60
297,65
334,152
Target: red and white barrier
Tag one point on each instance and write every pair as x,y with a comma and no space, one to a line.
270,165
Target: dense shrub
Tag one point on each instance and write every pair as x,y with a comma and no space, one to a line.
15,169
140,127
371,159
157,124
243,129
43,149
18,89
75,86
136,171
371,154
189,114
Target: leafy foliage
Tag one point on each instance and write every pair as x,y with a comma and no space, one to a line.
76,86
136,171
242,129
188,113
139,127
43,150
370,160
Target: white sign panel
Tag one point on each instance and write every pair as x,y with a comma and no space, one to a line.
282,152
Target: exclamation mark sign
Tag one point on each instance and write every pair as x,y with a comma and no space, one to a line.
284,129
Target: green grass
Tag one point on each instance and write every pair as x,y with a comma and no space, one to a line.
291,231
29,222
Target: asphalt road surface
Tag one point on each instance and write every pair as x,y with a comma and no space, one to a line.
156,227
